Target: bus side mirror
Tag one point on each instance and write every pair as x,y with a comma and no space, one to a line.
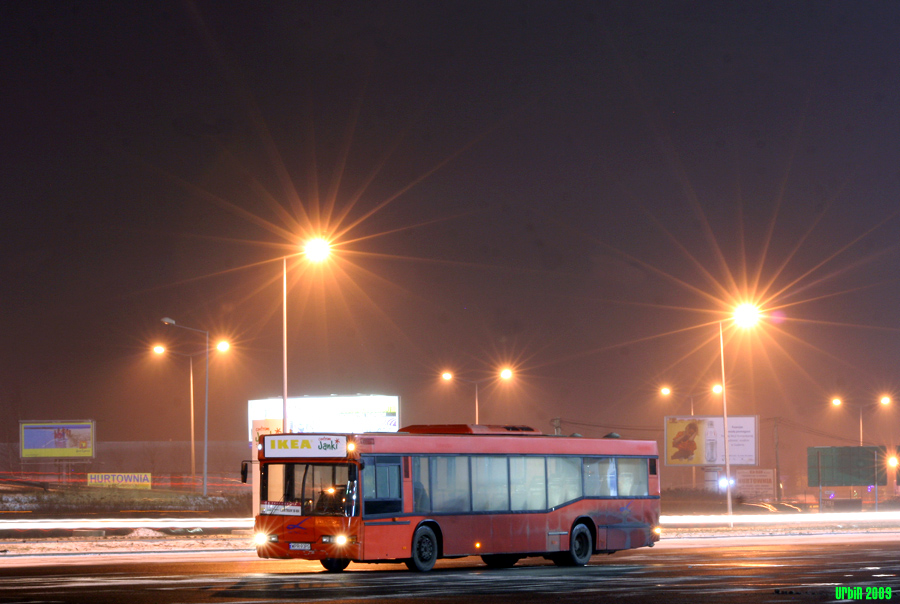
245,469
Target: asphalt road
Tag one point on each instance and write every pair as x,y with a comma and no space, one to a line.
738,569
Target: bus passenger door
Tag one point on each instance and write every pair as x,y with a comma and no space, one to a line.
387,534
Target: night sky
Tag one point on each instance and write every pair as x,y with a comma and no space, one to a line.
579,190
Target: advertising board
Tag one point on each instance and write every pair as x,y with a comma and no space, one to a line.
755,484
314,445
71,439
352,414
699,440
120,480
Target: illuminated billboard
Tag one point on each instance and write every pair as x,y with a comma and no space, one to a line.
72,439
700,440
352,414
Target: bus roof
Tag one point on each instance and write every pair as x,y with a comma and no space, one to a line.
467,429
431,442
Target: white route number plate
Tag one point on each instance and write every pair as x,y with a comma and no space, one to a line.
303,546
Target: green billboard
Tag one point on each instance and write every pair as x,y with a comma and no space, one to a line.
846,466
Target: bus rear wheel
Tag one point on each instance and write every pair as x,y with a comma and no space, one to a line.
335,565
424,550
500,560
581,548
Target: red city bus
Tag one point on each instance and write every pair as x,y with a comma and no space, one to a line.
430,492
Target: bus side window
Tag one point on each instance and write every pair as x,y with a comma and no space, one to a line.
381,485
421,488
528,483
633,480
490,484
450,481
565,479
597,471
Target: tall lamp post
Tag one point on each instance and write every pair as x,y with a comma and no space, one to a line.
169,321
505,374
315,250
884,400
745,315
223,346
162,350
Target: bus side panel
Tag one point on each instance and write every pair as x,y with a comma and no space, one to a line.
461,533
387,539
532,533
631,524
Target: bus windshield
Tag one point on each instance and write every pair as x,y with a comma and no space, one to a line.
317,489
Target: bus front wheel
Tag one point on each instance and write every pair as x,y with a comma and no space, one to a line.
581,547
335,565
424,550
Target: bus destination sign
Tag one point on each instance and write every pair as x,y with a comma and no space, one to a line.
304,445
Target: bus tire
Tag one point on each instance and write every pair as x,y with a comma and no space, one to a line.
424,550
500,560
581,548
335,565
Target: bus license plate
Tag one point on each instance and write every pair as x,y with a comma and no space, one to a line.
303,546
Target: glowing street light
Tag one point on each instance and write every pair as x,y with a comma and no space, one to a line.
505,374
161,350
316,250
666,391
745,316
883,401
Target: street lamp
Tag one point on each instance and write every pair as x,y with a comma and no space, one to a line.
169,321
504,374
883,401
315,250
746,316
222,346
666,391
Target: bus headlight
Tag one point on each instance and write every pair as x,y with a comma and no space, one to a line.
263,538
338,539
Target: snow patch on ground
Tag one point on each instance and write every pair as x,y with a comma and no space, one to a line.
140,540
